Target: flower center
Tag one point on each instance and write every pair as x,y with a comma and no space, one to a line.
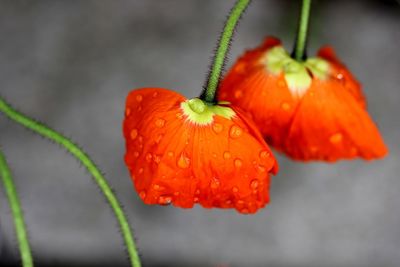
298,75
200,113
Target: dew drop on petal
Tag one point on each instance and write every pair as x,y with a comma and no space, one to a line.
142,195
196,199
217,127
139,108
155,94
254,184
140,171
183,161
264,154
238,94
158,139
134,134
336,138
157,159
240,202
164,200
148,157
244,211
235,189
261,168
238,163
285,106
215,183
170,154
127,112
139,98
140,139
227,155
136,154
235,131
214,155
160,123
158,187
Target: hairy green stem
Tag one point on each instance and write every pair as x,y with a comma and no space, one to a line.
16,212
49,133
222,50
301,40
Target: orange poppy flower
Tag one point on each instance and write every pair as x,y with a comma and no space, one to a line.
184,152
311,110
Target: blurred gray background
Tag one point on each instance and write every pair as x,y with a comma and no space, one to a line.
71,64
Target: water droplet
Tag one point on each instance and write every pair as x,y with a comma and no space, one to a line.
158,187
197,192
196,199
235,131
228,202
261,168
183,161
336,138
155,94
238,163
139,108
179,115
157,159
227,155
134,134
176,193
142,194
238,94
240,202
215,183
139,98
164,200
264,154
158,139
313,149
160,123
148,157
127,112
136,154
235,189
244,211
214,155
170,154
339,76
140,139
254,184
140,171
217,127
285,106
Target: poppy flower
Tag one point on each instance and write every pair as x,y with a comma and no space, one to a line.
310,110
183,152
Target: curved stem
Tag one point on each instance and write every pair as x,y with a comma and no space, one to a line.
223,47
301,40
16,211
90,166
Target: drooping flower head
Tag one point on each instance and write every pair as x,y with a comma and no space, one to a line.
185,152
310,110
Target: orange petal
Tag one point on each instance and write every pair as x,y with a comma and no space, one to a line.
330,124
224,164
264,96
342,74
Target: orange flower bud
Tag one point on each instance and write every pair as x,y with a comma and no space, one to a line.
184,152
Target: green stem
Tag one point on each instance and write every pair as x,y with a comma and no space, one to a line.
223,47
88,163
301,40
16,211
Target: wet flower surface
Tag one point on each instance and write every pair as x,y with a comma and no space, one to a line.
184,152
310,110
